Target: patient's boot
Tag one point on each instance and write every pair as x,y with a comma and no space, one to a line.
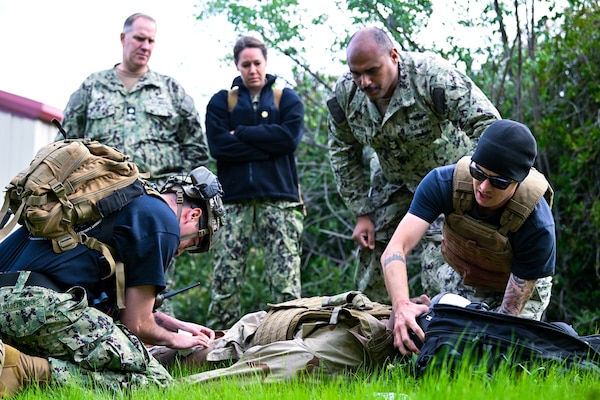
19,370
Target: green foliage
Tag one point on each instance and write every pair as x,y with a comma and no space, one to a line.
193,304
286,28
251,15
569,132
403,19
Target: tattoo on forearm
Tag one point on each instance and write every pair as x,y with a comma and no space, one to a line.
394,257
518,291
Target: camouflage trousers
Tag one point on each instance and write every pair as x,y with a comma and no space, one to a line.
275,227
83,345
437,277
368,277
327,350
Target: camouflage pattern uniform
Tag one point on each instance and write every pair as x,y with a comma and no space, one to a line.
278,227
255,146
82,345
438,276
155,123
434,117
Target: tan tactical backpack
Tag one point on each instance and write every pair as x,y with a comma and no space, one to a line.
284,319
60,190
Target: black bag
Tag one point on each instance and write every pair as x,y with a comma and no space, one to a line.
488,339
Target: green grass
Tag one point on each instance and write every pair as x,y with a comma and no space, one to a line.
551,383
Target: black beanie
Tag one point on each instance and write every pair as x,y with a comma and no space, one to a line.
506,148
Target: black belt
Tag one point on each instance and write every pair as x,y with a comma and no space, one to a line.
35,279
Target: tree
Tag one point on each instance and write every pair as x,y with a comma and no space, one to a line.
569,131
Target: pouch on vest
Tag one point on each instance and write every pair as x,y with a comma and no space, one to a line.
285,319
480,252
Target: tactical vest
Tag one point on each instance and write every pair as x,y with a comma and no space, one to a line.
480,252
285,319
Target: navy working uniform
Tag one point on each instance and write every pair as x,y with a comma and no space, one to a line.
155,123
79,341
434,117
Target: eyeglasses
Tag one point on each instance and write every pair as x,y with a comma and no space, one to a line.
495,181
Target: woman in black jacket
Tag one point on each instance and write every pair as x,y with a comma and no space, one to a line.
253,131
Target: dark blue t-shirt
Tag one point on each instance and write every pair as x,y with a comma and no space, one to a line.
533,245
145,234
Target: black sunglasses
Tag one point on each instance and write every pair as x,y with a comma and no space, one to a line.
495,181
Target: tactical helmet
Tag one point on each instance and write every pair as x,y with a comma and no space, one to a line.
200,184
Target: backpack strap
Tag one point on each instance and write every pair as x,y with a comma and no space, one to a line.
9,225
277,93
106,231
335,109
232,98
233,93
116,266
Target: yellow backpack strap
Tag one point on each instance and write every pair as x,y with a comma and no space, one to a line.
232,98
116,266
277,92
120,280
549,196
10,225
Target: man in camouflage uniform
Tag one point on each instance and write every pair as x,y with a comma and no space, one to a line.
416,112
58,319
144,114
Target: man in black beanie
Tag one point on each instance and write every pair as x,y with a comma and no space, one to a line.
499,244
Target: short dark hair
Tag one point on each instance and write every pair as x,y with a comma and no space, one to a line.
379,36
248,42
129,21
193,202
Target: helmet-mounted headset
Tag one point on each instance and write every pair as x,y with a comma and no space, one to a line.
203,185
